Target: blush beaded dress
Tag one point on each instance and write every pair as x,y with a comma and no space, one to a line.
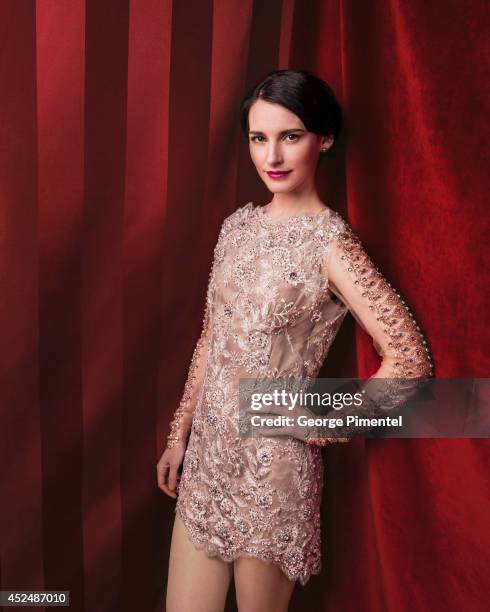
271,311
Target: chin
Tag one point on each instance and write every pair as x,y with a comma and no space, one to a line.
283,187
278,189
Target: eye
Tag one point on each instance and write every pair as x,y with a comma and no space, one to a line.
291,137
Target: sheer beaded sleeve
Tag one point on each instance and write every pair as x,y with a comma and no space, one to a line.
382,313
182,419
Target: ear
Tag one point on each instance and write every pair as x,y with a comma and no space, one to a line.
326,142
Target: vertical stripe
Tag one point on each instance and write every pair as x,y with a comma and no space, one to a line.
21,488
185,272
60,53
287,20
102,296
145,522
263,56
228,74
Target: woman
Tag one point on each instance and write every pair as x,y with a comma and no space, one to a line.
283,277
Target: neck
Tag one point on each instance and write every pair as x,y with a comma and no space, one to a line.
281,205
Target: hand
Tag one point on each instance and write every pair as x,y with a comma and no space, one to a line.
167,469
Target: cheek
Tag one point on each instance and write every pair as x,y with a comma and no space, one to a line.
303,155
254,155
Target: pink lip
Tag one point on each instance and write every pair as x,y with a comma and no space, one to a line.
277,175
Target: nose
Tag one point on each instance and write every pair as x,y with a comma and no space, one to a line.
274,155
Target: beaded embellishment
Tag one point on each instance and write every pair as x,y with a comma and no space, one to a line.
182,419
179,427
408,345
271,314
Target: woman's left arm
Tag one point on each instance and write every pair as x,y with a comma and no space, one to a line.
384,315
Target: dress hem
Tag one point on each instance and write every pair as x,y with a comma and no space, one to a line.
241,554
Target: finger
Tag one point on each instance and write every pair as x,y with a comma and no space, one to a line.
273,409
165,486
160,474
170,493
288,431
268,432
172,478
162,470
163,473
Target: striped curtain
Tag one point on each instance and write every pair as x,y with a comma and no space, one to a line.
120,155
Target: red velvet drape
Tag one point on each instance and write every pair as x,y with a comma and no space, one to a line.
120,154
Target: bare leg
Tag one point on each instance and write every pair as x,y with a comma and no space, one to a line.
261,587
196,582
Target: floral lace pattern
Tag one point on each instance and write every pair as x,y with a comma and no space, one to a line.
271,312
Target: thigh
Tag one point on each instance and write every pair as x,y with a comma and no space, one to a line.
196,582
261,587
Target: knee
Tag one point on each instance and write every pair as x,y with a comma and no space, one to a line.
251,603
261,587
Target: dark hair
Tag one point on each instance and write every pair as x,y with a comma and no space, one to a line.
304,94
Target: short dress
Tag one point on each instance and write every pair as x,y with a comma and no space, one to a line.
272,311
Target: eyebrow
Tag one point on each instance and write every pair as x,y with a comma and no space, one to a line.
283,133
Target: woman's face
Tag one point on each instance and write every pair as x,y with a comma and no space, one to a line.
279,142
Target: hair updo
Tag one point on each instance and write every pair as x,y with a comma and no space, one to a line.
304,94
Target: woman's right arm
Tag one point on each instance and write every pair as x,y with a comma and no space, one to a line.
181,422
169,463
182,419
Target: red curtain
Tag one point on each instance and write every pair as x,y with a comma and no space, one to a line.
120,155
